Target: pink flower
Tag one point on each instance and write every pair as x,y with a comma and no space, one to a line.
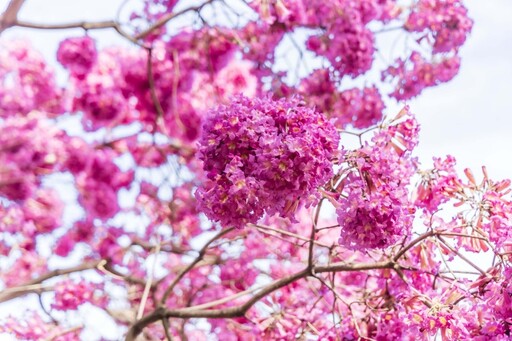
374,210
360,108
262,155
69,295
446,21
416,73
236,78
78,55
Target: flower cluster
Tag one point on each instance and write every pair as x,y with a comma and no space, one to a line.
26,82
374,211
347,45
346,41
416,73
360,108
29,149
446,21
70,294
33,327
99,94
437,184
99,182
287,12
498,303
78,55
262,156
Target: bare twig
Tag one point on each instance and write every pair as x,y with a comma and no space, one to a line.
182,273
168,17
149,283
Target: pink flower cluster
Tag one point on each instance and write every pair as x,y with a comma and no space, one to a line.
33,327
287,12
99,182
498,303
262,156
416,73
29,149
26,82
346,41
78,55
69,295
374,210
360,108
348,46
445,20
437,185
99,93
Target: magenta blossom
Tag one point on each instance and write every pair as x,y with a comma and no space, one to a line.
262,156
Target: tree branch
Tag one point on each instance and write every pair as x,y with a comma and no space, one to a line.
9,17
33,287
238,311
168,17
202,252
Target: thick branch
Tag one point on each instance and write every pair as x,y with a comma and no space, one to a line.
161,312
9,17
239,311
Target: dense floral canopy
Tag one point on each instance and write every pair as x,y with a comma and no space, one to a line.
198,184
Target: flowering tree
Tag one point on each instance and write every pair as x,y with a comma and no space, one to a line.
211,191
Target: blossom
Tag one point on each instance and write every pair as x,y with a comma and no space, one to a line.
361,108
346,41
27,83
30,148
374,211
70,294
375,221
262,155
77,54
236,78
416,73
446,20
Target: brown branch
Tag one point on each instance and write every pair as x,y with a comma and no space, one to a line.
109,269
152,88
31,286
167,327
93,25
240,310
412,244
10,16
312,236
231,312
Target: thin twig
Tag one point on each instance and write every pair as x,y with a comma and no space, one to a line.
148,285
202,252
168,17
